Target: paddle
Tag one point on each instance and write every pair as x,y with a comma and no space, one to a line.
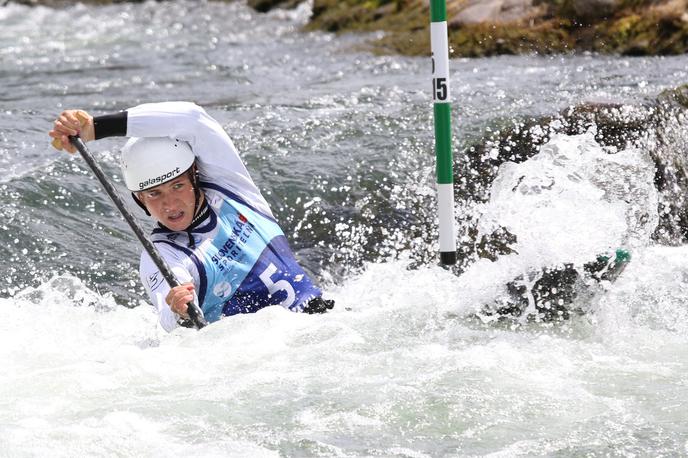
194,311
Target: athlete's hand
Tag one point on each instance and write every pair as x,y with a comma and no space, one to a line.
71,122
179,297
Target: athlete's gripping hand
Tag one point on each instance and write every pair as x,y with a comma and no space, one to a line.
71,122
179,297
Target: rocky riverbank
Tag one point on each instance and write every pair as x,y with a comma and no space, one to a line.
492,27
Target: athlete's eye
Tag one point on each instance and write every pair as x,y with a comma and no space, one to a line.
152,194
177,186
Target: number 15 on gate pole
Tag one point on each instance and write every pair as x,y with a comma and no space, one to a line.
441,97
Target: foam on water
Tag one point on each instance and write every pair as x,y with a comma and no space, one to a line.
394,371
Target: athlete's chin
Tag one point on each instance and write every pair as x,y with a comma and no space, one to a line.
177,227
177,224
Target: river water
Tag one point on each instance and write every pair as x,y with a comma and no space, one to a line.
340,141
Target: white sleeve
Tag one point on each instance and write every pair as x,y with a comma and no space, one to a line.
157,288
218,159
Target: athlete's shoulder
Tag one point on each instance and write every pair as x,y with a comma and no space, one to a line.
239,199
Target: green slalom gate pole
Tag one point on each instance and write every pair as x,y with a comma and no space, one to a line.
443,149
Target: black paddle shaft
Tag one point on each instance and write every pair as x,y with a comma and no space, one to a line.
194,311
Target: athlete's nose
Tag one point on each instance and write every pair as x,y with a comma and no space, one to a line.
167,204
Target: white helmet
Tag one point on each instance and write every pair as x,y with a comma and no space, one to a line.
149,162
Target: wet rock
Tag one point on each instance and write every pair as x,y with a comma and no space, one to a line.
264,6
496,11
550,294
678,96
545,298
487,246
669,150
590,11
616,125
657,127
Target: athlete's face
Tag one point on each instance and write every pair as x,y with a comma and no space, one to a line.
171,203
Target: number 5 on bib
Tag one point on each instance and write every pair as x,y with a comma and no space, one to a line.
277,286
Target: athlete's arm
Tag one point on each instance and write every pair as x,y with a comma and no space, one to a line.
217,159
183,120
188,122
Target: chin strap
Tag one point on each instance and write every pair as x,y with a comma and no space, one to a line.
140,204
198,211
202,214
